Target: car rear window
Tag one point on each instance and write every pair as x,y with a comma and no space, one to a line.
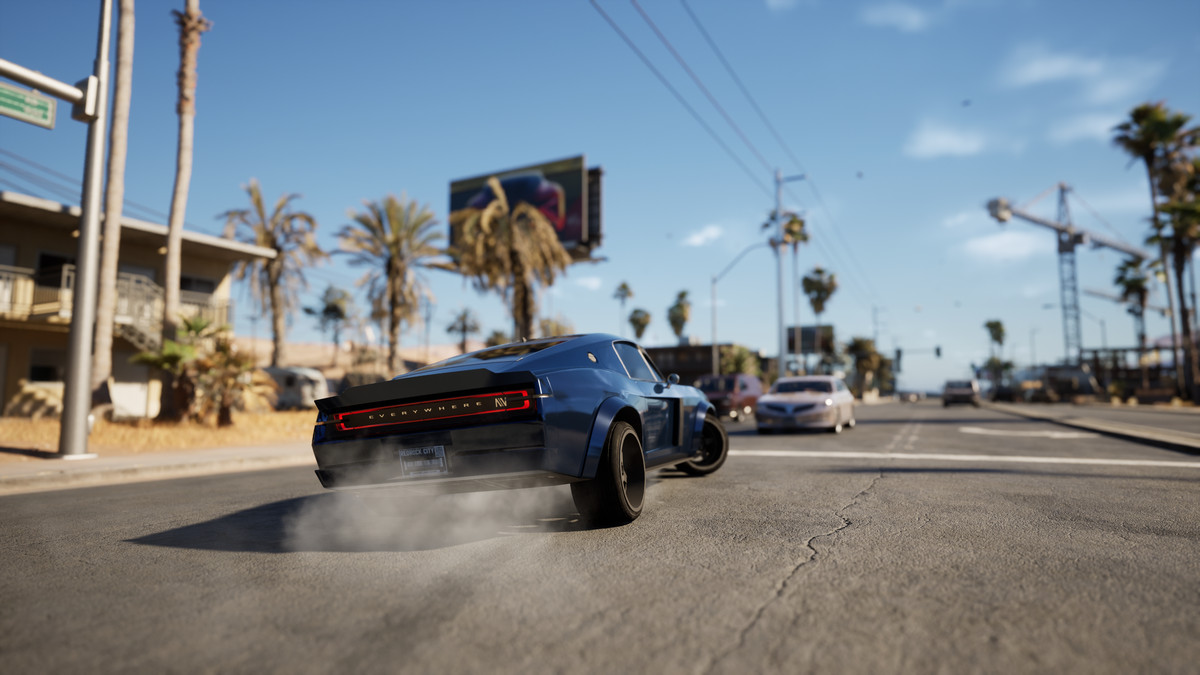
958,384
814,385
509,352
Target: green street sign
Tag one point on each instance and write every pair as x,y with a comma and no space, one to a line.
27,106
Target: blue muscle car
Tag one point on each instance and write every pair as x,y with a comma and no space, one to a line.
589,410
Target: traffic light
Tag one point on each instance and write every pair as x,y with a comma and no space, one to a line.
896,365
937,351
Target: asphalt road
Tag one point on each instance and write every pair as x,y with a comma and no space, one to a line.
981,542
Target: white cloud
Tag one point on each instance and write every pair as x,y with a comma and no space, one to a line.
704,236
590,283
933,139
968,218
902,17
1086,127
1008,245
1100,80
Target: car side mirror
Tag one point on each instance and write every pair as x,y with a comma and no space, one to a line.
672,379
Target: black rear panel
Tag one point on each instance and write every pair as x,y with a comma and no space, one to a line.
430,403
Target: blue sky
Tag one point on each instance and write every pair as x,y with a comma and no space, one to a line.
906,117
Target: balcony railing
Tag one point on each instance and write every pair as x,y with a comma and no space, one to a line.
49,293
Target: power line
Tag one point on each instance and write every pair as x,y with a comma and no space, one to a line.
695,78
69,189
778,138
679,97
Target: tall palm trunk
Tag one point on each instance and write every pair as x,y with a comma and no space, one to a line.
191,25
278,319
106,300
395,311
1149,162
1179,258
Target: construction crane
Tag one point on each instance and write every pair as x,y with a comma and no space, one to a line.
1069,237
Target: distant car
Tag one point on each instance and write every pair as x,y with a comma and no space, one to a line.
806,402
734,396
297,387
960,391
589,410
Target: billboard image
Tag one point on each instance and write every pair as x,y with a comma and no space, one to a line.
564,191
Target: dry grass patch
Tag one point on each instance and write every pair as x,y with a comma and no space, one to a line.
131,438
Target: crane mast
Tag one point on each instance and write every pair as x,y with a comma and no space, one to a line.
1069,237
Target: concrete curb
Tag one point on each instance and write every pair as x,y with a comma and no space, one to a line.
1170,440
56,474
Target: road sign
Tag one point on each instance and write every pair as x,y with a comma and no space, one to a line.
27,106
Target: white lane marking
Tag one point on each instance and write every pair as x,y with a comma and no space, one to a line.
1040,434
1014,459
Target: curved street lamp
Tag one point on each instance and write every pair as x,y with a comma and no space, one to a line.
716,358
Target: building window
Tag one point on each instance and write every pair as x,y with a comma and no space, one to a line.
197,285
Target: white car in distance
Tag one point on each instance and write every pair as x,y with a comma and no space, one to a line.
806,402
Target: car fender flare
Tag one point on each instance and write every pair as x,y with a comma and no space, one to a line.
613,409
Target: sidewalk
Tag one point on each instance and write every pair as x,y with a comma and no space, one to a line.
53,473
1090,417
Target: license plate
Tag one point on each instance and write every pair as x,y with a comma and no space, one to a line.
426,461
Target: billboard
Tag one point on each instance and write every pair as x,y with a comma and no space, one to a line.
564,191
808,340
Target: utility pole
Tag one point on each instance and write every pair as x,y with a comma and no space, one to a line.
90,97
777,244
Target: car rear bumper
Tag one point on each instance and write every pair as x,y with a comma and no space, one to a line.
489,457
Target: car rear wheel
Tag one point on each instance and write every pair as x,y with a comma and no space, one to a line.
714,448
615,495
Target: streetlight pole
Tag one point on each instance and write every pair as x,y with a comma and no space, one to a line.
716,357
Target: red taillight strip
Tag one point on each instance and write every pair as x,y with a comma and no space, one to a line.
525,404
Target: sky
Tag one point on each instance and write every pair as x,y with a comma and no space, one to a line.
903,119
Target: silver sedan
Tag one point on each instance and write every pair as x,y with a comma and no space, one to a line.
806,402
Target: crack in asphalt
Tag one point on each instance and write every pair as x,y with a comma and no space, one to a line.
783,585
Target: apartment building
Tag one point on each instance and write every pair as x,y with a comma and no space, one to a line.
38,245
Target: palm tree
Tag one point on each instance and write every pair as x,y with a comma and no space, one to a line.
995,331
867,361
639,319
509,249
1157,136
395,239
1135,289
679,313
819,286
464,324
624,292
192,25
335,308
496,338
114,196
275,283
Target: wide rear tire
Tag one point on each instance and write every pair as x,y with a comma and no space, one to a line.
615,496
714,448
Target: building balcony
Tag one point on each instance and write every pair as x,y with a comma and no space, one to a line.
46,296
